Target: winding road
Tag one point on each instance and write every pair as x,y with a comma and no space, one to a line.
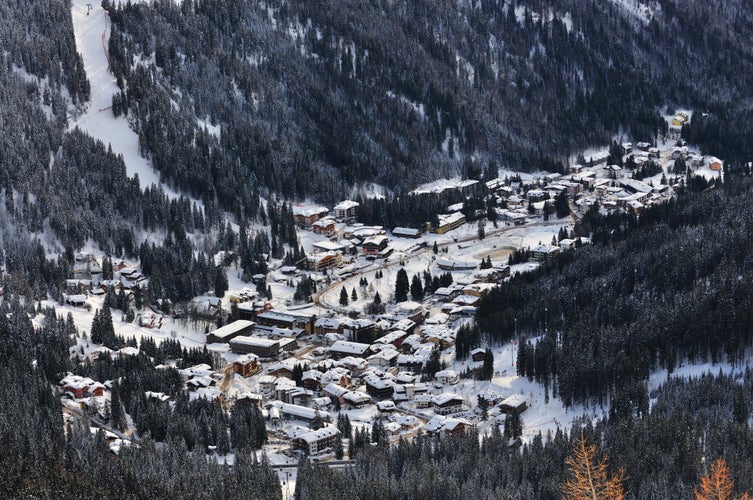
329,300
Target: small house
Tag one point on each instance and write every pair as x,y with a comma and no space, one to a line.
447,403
515,404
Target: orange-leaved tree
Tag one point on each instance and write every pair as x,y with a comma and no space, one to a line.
589,478
718,484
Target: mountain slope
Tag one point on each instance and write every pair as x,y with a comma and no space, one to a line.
314,96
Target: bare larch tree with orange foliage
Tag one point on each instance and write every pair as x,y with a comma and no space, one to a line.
589,478
718,484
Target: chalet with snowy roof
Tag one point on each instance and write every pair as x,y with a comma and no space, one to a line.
355,366
535,195
478,289
247,365
495,274
325,260
321,403
78,387
406,232
356,399
490,397
379,387
374,245
336,375
715,164
387,407
361,328
447,403
393,337
342,348
443,425
422,400
456,265
264,348
199,370
77,285
478,354
328,325
448,222
447,293
312,380
325,227
336,391
440,335
200,382
515,404
405,324
316,442
542,253
346,210
450,377
635,186
306,216
281,388
511,216
267,383
205,306
466,300
302,413
384,358
412,362
249,310
291,321
411,310
149,319
282,368
76,300
230,331
299,396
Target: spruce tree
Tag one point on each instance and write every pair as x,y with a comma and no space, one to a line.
487,370
402,286
343,297
117,414
416,289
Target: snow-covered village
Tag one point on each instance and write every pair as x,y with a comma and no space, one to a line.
366,337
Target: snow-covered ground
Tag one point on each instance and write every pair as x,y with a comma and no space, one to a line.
92,32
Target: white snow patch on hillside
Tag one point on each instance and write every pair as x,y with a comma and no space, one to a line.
643,12
206,124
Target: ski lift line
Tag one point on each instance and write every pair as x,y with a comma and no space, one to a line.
104,47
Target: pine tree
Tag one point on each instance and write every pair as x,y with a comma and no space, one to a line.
401,286
343,297
117,414
435,248
589,478
353,295
378,434
338,448
416,289
108,331
487,370
96,330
